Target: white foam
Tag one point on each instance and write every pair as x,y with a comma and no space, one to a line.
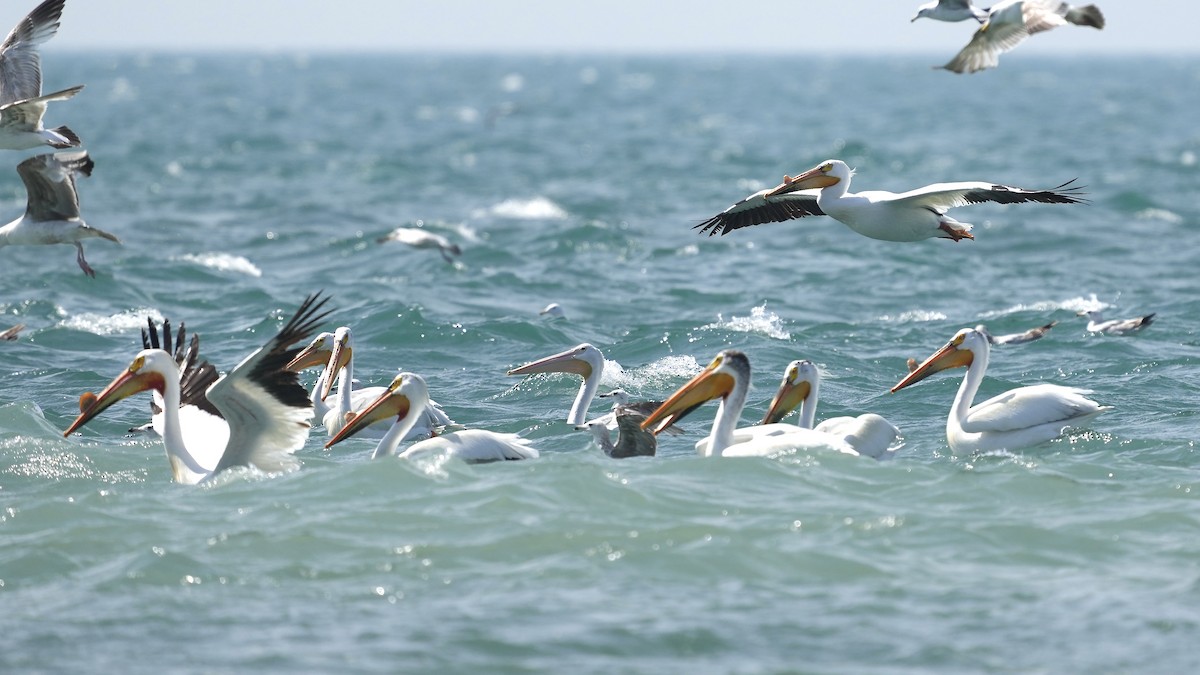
1076,304
915,316
223,262
538,208
125,322
666,371
1159,214
760,321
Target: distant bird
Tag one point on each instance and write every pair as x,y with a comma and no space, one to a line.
417,237
951,10
632,440
1016,419
1016,338
405,399
21,101
1010,22
1097,324
52,214
907,216
9,334
553,311
262,405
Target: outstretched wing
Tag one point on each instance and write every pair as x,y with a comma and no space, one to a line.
761,208
50,183
20,64
943,196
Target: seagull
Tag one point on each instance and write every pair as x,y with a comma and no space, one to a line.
417,237
907,216
9,334
1016,338
52,214
21,101
1010,22
1097,324
951,10
262,405
632,440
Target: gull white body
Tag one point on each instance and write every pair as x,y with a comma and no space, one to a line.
22,104
951,10
420,238
1097,323
1010,22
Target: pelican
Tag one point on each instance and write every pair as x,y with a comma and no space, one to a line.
11,333
417,237
404,399
584,360
339,365
21,101
553,311
1018,418
908,216
951,10
52,213
262,405
632,440
195,377
728,378
1097,324
1009,22
1016,338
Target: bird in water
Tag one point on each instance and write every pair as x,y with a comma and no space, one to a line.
632,440
9,334
417,237
1097,323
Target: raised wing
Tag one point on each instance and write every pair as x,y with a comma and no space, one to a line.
943,196
760,208
50,183
1003,31
1027,407
20,64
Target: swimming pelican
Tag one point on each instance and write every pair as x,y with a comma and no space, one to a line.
1016,338
417,237
52,213
1097,324
338,353
197,415
584,360
951,10
404,399
907,216
10,333
632,440
21,102
262,405
553,311
728,378
1011,21
1018,418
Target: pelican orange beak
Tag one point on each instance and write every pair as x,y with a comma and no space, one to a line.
789,395
313,355
389,404
949,356
125,385
811,179
338,358
562,362
706,386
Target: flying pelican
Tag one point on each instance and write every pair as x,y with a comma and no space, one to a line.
1097,324
951,10
10,333
404,399
908,216
632,440
728,378
417,237
1016,338
1018,418
1010,22
21,102
339,365
52,213
262,404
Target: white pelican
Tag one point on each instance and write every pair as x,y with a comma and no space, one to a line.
1016,338
951,10
404,399
21,102
417,237
338,355
869,434
553,311
262,404
195,377
908,216
728,378
52,213
1097,324
584,360
1011,21
1018,418
632,440
10,333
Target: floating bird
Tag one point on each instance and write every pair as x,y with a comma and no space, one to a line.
337,352
1018,418
1016,338
584,360
404,399
10,333
21,102
1010,22
632,440
197,414
625,406
417,237
262,404
52,214
1097,324
951,10
553,311
908,216
728,378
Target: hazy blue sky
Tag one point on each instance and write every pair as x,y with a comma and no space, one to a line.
831,26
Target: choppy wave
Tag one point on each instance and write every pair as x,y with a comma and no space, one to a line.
223,262
760,321
122,322
538,208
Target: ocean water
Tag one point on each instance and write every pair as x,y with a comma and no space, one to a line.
239,184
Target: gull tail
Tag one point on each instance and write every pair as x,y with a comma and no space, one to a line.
1088,15
63,137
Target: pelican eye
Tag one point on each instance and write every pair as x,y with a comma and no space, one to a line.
137,364
399,380
827,168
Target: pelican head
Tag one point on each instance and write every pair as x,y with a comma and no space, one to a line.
147,371
315,354
339,357
580,360
959,352
799,382
405,393
715,381
827,173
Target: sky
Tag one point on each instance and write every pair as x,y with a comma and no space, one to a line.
827,27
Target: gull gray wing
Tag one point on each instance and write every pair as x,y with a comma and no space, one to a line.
50,182
20,63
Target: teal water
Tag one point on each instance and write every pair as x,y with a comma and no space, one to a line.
241,184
